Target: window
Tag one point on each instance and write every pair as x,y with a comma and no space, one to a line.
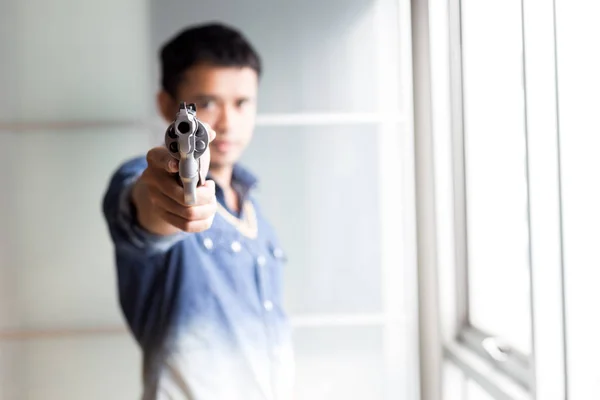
495,171
490,185
497,191
577,32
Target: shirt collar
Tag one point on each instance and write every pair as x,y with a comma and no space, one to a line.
240,176
242,181
243,177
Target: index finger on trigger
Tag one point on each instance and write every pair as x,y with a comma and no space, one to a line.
211,133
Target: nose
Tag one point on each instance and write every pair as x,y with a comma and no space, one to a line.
225,120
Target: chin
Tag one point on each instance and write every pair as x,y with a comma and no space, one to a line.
222,162
225,159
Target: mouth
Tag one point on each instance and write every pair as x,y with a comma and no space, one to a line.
222,146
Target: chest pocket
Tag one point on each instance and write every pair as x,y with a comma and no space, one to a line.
231,261
272,261
251,270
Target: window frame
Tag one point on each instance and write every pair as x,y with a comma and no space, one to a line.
501,371
514,364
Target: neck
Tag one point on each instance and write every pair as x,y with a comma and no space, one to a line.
222,175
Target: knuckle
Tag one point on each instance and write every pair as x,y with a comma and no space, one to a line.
155,157
189,213
206,224
149,157
153,196
202,226
188,227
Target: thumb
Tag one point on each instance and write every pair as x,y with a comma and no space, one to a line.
159,157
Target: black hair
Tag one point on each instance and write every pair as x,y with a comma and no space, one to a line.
212,44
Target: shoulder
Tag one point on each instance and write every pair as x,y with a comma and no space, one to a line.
130,167
121,178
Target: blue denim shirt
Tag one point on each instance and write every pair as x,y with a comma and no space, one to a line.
206,308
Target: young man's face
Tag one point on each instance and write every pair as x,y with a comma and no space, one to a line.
225,98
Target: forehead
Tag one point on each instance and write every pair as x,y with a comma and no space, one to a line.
220,81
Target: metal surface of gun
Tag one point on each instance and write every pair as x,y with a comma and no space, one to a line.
186,139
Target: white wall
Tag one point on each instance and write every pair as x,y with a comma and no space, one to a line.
335,181
318,56
63,62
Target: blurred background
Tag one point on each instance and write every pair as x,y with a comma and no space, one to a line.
430,167
77,97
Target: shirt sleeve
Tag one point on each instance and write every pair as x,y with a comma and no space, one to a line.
121,216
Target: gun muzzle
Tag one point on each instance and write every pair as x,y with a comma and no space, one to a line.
187,140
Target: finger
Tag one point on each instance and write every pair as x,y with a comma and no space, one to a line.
205,194
165,183
194,213
160,158
211,133
205,165
173,166
186,225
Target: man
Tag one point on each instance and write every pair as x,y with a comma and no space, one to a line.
200,286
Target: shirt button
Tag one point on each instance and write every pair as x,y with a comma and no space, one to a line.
236,246
208,243
268,305
278,253
261,261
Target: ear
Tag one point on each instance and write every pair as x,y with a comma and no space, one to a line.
166,105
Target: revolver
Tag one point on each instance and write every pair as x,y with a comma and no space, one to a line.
186,138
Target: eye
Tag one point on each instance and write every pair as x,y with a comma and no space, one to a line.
242,102
207,104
